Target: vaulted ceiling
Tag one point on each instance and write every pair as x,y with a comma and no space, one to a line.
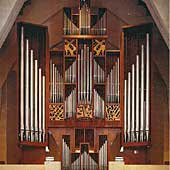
120,13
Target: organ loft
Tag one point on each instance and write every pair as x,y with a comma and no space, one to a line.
84,87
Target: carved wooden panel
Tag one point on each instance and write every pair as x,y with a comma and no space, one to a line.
56,112
70,47
99,47
113,112
84,111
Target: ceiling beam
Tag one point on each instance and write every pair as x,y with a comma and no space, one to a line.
9,11
160,13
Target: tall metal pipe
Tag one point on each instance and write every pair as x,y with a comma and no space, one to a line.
31,96
43,107
125,111
27,93
36,100
129,106
53,83
142,95
118,79
40,104
137,98
22,86
133,103
147,86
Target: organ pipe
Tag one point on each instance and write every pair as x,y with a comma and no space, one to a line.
112,83
53,83
43,103
40,103
118,83
103,156
36,100
125,110
32,95
147,86
137,97
136,101
142,95
27,94
133,102
129,105
22,85
84,75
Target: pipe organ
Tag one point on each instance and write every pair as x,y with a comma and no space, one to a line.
56,84
136,96
86,93
66,152
103,152
32,86
85,74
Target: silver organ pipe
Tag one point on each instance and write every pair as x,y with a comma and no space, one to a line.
88,76
118,81
142,95
129,106
103,156
92,164
27,94
55,89
79,82
137,97
85,75
32,95
65,155
43,111
98,73
136,101
40,103
70,104
125,110
70,73
113,83
147,86
90,97
99,105
36,100
115,95
22,86
133,103
81,77
56,84
85,70
53,83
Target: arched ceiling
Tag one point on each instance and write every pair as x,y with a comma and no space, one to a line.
50,13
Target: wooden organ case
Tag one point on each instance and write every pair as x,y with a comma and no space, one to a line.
86,99
32,81
136,84
84,108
